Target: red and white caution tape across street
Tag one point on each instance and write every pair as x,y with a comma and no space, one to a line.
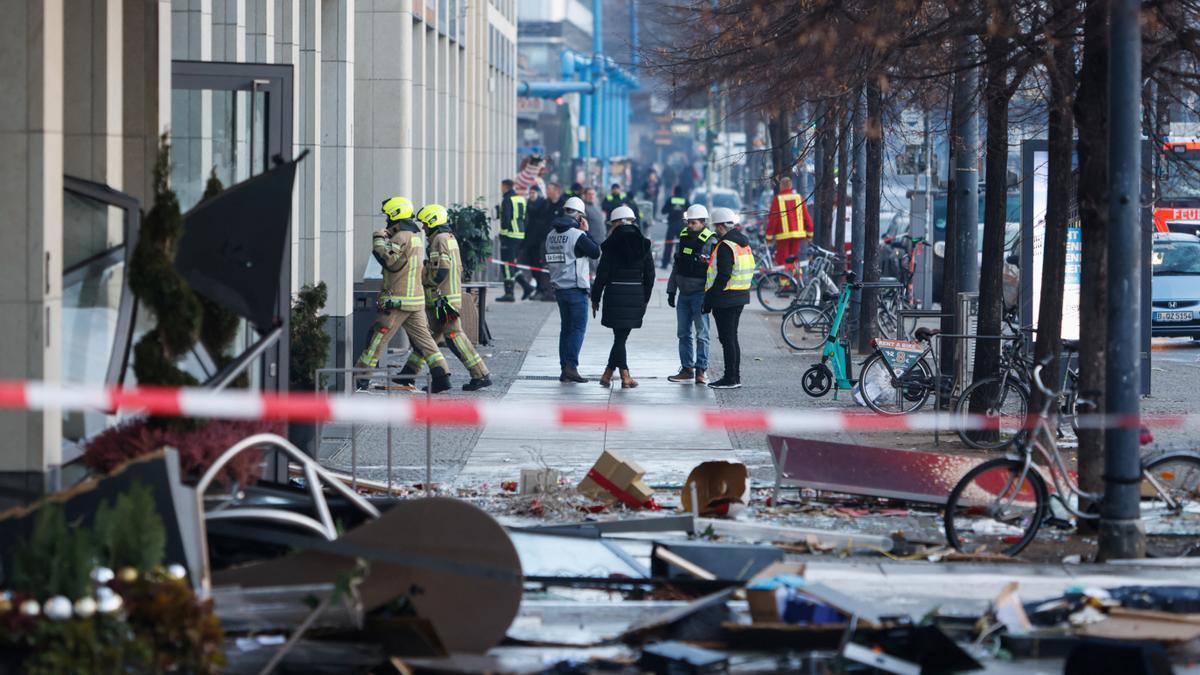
450,411
520,267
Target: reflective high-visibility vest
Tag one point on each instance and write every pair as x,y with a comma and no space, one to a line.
444,254
702,236
791,216
515,227
743,268
403,289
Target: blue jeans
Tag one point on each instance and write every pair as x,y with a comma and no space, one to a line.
687,317
573,311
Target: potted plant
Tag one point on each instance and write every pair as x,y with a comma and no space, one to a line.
309,351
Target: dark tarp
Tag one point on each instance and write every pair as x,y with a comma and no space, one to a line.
233,245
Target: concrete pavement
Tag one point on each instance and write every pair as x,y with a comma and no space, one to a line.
653,355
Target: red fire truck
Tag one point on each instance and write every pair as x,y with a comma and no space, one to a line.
1177,208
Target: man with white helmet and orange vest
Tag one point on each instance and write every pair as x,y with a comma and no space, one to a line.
727,291
688,274
568,248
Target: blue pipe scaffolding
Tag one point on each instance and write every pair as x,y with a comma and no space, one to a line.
603,88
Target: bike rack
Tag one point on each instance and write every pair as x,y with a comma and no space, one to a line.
937,360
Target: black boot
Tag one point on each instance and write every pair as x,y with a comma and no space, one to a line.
478,383
571,374
406,379
441,381
526,287
508,292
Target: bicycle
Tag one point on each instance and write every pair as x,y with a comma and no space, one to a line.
1004,398
1000,505
780,290
834,370
901,298
897,378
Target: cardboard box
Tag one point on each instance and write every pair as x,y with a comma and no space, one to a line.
718,484
766,590
623,473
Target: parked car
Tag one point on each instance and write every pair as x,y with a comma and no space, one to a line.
725,197
1175,294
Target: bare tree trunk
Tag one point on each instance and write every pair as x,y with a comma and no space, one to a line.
1058,210
843,169
870,243
949,264
781,143
1091,117
991,268
825,187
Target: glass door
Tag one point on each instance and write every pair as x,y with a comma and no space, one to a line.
228,121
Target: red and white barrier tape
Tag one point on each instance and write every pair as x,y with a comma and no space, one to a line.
450,411
520,267
541,269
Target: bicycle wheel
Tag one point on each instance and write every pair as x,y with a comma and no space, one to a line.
1004,406
887,321
888,395
994,509
1070,404
1179,475
805,327
776,291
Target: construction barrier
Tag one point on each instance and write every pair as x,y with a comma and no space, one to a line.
368,408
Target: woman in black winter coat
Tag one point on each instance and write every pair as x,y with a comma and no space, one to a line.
624,281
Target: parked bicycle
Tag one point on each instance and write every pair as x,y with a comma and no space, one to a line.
780,290
909,377
1004,398
1000,505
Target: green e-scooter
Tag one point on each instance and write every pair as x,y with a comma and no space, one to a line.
835,353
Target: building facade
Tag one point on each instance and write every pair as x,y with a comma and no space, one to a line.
409,97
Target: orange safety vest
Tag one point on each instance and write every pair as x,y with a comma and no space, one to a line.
791,216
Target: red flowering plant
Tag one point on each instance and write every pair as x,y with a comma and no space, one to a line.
198,448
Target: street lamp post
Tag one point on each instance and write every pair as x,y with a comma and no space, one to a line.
1121,534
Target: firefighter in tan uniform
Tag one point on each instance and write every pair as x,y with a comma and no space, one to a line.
443,297
400,249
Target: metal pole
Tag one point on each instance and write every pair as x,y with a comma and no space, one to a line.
1121,533
428,435
966,174
389,433
858,223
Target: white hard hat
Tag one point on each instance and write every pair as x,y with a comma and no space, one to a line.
574,204
621,213
723,215
696,212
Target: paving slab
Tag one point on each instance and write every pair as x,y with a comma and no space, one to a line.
499,454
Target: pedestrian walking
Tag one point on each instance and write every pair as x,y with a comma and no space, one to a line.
688,276
568,249
443,299
789,225
624,282
727,291
513,215
400,250
673,209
